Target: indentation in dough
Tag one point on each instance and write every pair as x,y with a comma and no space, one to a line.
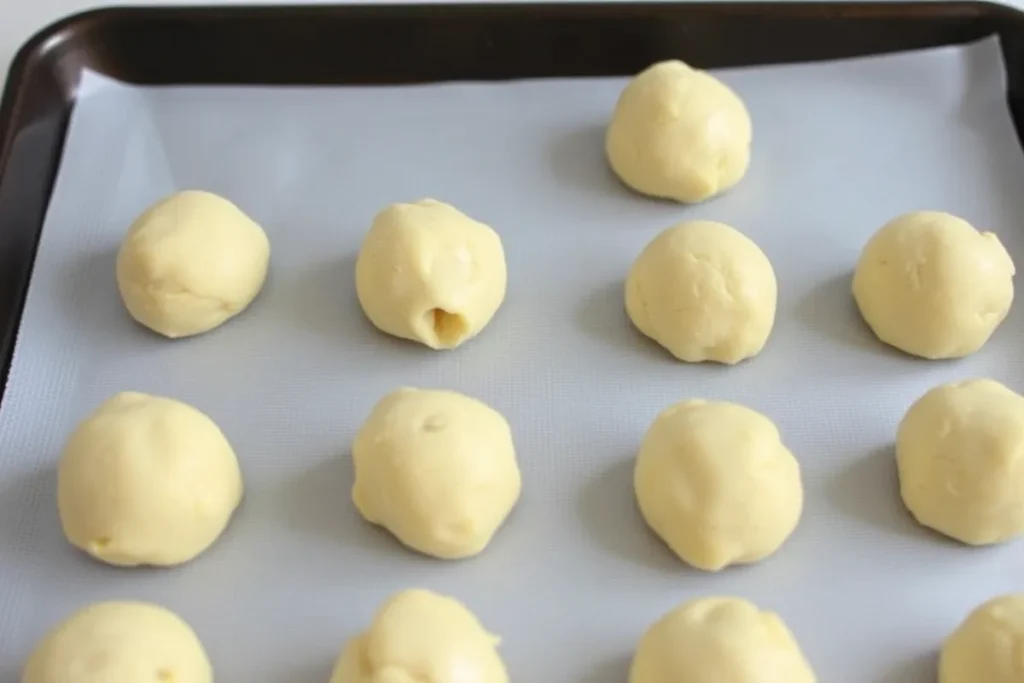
100,544
165,676
450,328
434,423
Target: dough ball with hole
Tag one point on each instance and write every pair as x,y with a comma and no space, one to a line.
430,273
960,457
679,133
437,469
705,292
419,635
719,640
715,482
986,647
932,286
119,642
190,263
146,480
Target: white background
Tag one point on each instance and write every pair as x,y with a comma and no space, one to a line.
19,19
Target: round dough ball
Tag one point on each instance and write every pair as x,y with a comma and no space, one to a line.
932,286
190,263
719,639
437,469
419,635
705,292
146,480
960,457
987,646
429,273
716,483
119,642
679,133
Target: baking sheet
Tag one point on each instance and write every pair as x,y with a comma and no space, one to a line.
574,577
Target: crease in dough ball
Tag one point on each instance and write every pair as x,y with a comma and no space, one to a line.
960,459
705,292
715,482
987,646
119,642
418,635
190,263
146,480
679,133
931,285
719,639
437,469
429,273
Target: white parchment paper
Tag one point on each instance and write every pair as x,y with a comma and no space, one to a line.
574,578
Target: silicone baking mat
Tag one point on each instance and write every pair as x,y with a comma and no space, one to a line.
574,577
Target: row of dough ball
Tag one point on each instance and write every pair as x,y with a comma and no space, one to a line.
147,480
927,282
418,634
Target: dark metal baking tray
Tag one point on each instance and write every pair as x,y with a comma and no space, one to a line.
410,44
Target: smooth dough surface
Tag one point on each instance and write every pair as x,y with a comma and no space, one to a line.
715,482
191,262
932,286
719,640
437,469
960,457
430,273
119,642
679,133
986,647
418,635
146,480
705,292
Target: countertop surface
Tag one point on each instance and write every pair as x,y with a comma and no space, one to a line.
19,19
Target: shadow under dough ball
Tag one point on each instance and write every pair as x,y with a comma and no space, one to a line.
960,458
720,639
437,469
119,642
419,635
146,480
429,273
715,482
679,133
931,285
705,292
190,263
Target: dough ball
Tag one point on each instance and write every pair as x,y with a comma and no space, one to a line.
146,480
987,646
719,640
419,635
437,469
429,273
679,133
932,286
705,292
716,483
191,262
119,642
960,456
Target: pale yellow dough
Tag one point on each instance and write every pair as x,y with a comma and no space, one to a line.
679,133
421,636
715,482
960,456
437,469
191,262
705,292
720,640
119,642
146,480
987,646
429,273
932,286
